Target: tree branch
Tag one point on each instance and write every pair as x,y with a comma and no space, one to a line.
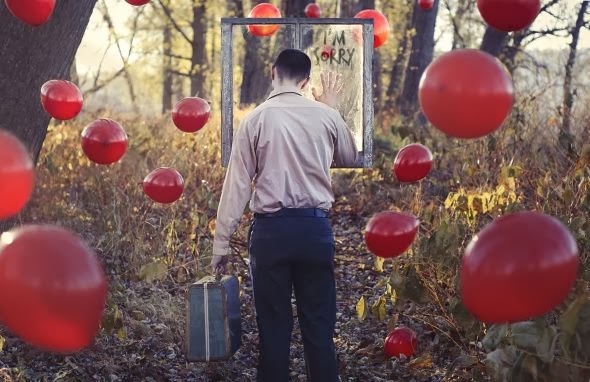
189,75
97,87
176,26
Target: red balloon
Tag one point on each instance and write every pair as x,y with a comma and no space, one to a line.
138,2
327,52
52,287
104,141
389,234
466,93
381,25
400,341
61,99
32,12
412,163
264,10
518,267
191,114
426,4
17,175
313,11
509,15
163,185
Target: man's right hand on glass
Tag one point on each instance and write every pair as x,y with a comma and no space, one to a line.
332,85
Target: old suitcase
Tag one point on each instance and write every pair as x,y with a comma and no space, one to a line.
213,330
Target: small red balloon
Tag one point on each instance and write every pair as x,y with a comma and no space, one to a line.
138,2
32,12
426,4
380,25
466,93
191,114
104,141
264,10
509,15
389,234
327,52
518,267
313,11
164,185
61,99
17,175
412,163
52,288
400,341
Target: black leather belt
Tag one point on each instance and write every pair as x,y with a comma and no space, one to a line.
299,212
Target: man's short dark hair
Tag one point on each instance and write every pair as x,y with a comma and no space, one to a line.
293,64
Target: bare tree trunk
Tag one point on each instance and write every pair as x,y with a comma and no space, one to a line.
199,57
421,55
456,20
31,56
256,78
397,72
73,73
349,8
568,96
510,52
294,8
107,18
493,41
167,67
236,8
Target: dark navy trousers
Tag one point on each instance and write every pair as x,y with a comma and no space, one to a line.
294,250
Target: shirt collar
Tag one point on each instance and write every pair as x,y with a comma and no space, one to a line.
284,89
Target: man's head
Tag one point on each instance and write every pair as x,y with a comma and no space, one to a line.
292,66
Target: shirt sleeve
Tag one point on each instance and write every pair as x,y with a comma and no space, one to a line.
236,191
345,150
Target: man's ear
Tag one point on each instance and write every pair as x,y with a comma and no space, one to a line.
304,83
272,72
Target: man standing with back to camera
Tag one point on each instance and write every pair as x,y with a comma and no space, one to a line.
284,149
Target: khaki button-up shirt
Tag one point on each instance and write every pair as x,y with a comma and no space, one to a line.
281,157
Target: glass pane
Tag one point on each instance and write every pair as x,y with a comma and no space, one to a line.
339,48
253,57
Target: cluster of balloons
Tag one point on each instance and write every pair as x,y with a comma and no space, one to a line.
519,266
468,93
104,141
312,10
52,287
37,12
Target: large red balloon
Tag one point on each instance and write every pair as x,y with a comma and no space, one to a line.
400,341
138,2
163,185
412,163
518,267
32,12
466,93
61,99
52,287
263,11
509,15
104,141
313,11
426,4
191,114
380,25
389,234
17,175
